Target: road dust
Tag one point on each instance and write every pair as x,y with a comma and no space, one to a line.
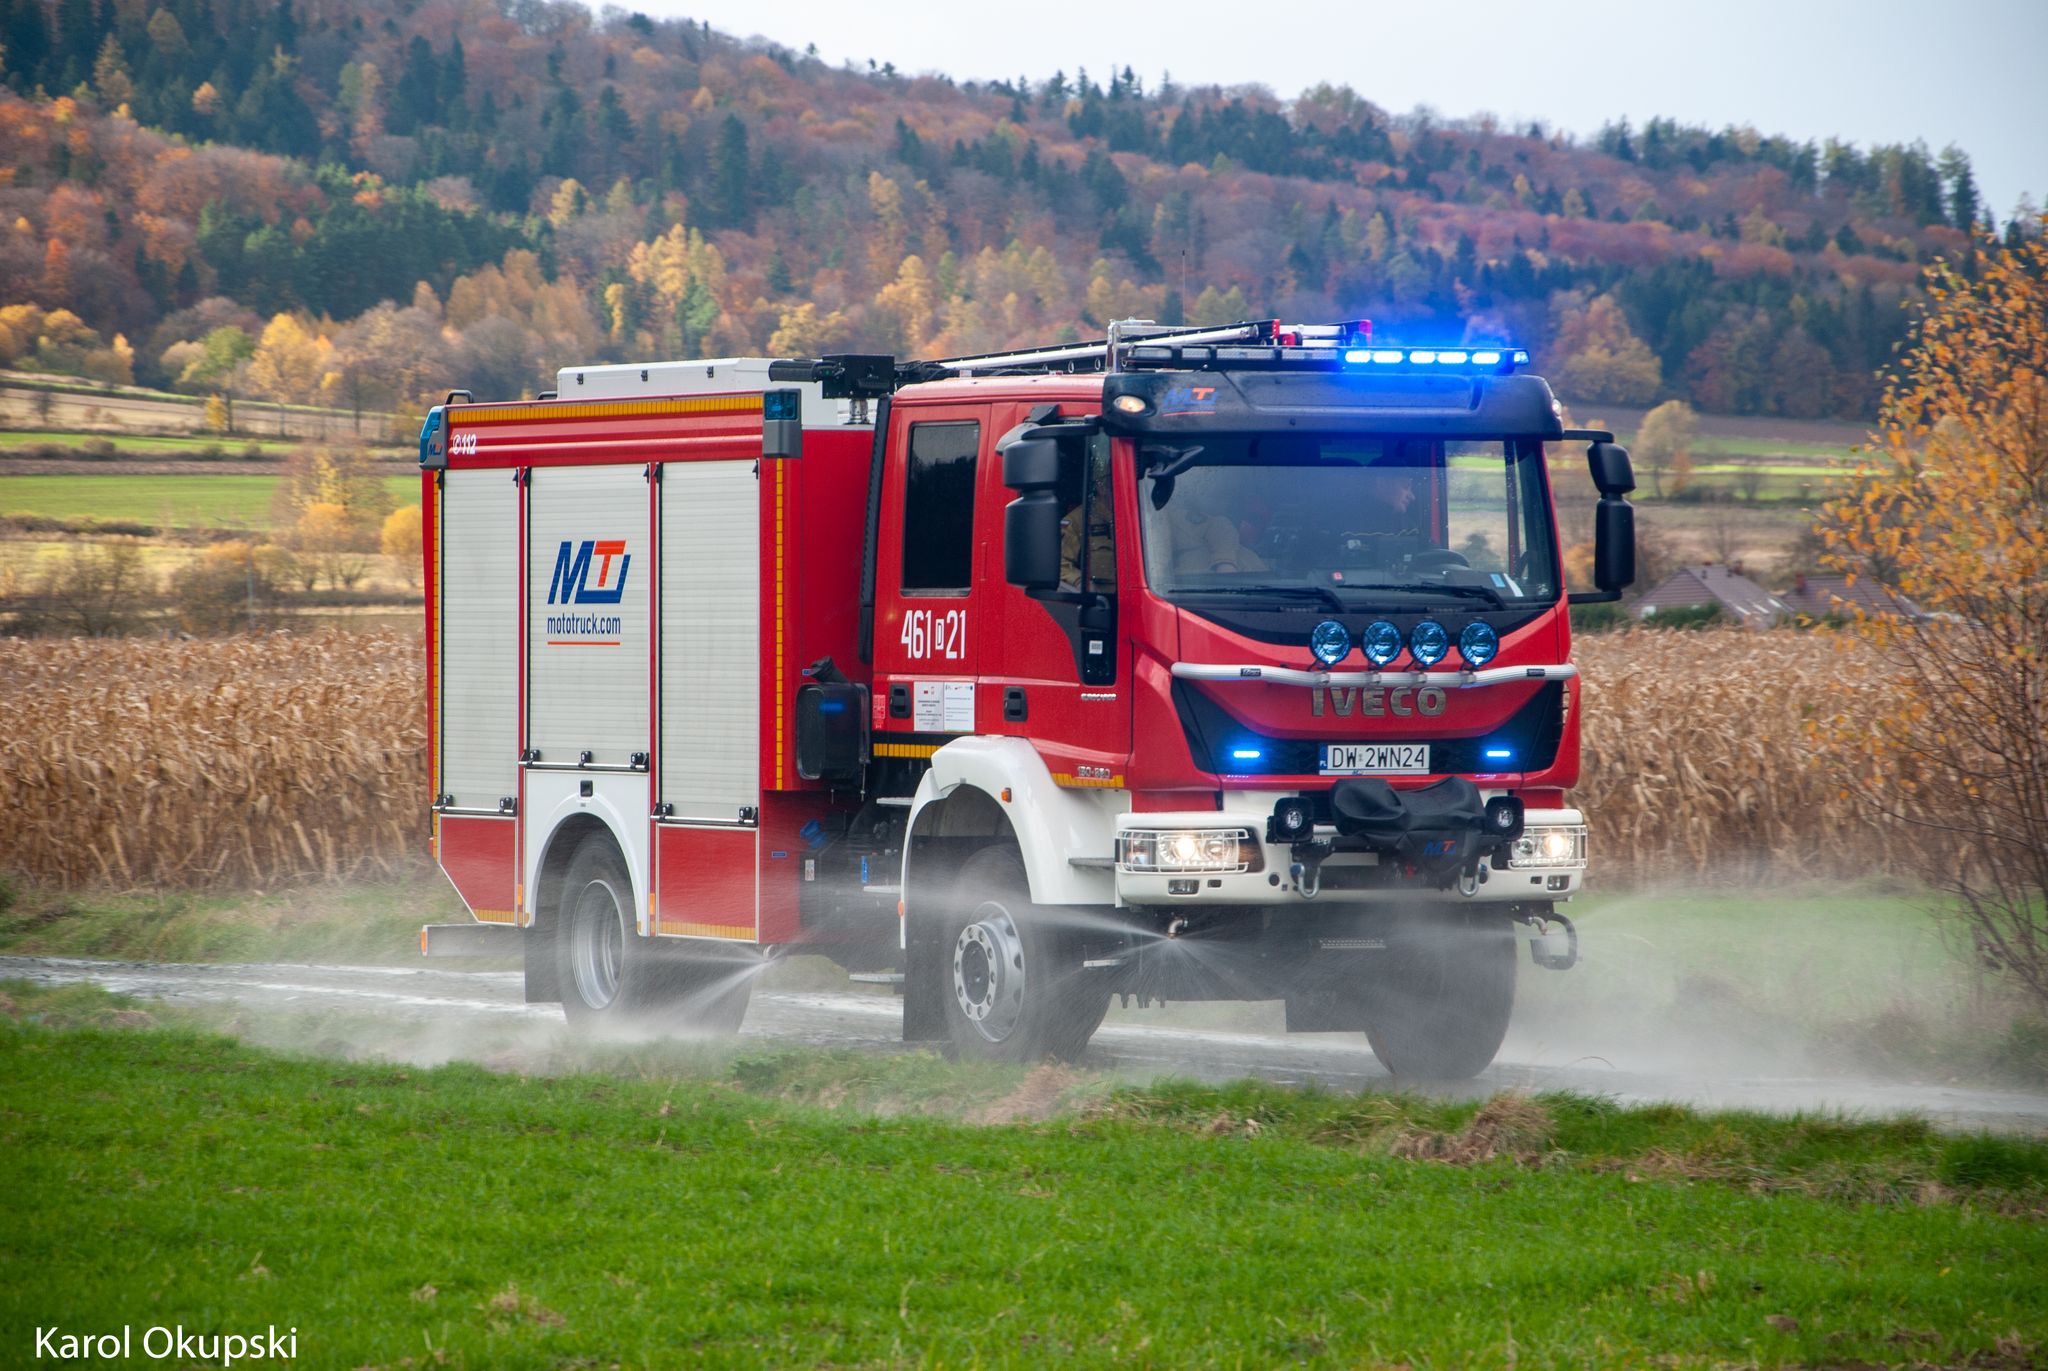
1800,1001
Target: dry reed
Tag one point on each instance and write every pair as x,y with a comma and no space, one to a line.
254,761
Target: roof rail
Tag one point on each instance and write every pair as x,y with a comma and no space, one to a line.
1141,344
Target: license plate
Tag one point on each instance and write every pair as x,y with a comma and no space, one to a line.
1376,759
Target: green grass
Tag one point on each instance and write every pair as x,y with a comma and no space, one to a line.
682,1209
200,501
232,445
376,922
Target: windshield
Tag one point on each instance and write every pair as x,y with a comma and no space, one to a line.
1348,521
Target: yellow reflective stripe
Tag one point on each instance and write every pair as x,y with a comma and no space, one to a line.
1088,782
602,409
673,927
906,749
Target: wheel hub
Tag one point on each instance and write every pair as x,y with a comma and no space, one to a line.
988,973
597,944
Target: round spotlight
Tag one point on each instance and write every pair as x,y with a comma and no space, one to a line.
1130,404
1429,642
1381,642
1478,644
1330,642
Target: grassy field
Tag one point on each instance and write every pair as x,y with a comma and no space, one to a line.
210,501
682,1206
180,445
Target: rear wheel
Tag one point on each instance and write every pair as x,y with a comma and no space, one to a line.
1013,985
1438,1007
609,974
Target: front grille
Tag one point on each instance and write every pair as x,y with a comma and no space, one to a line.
1533,732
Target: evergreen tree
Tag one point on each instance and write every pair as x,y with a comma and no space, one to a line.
731,186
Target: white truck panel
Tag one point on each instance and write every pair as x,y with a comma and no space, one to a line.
478,623
618,799
587,633
710,639
711,376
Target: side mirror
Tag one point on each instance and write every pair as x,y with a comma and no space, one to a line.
1031,541
1031,522
1031,464
832,731
1612,472
1614,544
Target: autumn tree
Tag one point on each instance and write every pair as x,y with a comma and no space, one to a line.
1952,499
291,364
1665,440
401,539
1600,358
344,484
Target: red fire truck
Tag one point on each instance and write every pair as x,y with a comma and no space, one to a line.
1226,663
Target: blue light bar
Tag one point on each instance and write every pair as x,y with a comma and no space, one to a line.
1246,754
1499,754
1431,357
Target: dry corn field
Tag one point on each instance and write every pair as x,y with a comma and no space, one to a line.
231,761
253,761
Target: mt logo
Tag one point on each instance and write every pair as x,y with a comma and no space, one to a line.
572,585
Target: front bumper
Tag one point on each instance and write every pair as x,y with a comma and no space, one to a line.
1264,872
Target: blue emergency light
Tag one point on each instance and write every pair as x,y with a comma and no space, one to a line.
1496,358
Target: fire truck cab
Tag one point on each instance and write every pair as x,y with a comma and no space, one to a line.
1228,663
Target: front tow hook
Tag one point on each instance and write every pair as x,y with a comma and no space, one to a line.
1553,951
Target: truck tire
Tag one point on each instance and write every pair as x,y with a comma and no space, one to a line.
1013,989
609,974
1438,1007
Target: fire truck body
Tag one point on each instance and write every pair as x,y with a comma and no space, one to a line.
966,672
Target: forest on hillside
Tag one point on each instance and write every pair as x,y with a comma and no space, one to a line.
364,204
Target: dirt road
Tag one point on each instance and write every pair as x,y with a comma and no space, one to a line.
432,1014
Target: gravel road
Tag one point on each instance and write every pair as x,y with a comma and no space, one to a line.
431,1013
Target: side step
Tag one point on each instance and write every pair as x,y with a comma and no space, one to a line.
877,977
471,940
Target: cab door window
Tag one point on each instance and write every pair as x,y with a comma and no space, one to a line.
1088,526
938,509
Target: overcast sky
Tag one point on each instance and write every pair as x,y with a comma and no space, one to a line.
1969,72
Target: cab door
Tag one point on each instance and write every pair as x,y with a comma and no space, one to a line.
1058,668
930,621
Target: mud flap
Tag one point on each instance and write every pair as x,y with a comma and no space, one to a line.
924,1017
542,976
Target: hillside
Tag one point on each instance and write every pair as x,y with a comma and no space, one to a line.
470,192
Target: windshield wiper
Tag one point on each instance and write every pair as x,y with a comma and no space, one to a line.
1321,594
1458,588
1414,588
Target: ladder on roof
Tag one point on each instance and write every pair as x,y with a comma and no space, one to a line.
1111,354
864,375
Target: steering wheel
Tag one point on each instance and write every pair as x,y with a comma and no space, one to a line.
1438,559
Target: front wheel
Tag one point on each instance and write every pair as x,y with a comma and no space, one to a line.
1014,989
1438,1007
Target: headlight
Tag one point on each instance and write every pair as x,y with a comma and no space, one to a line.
1329,642
1478,644
1382,642
1549,845
1429,642
1187,849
